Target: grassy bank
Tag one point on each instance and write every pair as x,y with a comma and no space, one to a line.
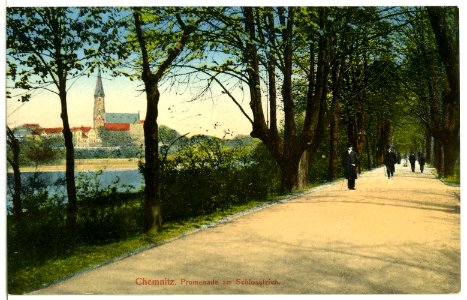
90,164
450,180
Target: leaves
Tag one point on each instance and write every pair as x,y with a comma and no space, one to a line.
48,44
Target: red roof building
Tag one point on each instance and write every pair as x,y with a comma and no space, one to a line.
53,130
31,125
117,126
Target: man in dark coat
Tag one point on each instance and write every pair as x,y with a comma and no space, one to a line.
421,161
350,167
390,161
412,161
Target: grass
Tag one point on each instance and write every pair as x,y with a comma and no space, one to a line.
35,276
451,180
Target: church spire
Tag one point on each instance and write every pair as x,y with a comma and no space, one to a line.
99,105
99,92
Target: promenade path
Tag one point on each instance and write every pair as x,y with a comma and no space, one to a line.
399,235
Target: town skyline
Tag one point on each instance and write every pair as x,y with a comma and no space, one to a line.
209,116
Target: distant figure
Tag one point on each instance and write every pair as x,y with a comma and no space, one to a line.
421,161
350,167
389,161
406,159
412,161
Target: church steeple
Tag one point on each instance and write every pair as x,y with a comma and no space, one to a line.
99,105
99,92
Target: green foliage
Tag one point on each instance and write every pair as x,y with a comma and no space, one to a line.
41,233
409,136
167,134
44,46
115,138
205,176
39,152
106,214
114,152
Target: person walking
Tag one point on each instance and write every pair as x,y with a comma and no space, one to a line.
412,161
350,167
390,161
421,161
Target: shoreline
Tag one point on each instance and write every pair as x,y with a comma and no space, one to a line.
93,164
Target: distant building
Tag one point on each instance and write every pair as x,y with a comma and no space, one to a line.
101,117
86,136
122,118
129,122
27,131
117,126
99,105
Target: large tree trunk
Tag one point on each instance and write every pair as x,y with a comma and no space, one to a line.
369,146
14,162
333,168
259,124
287,150
428,147
382,138
451,146
289,174
446,30
152,203
303,168
337,77
72,209
438,155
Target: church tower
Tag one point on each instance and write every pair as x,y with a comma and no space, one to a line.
99,106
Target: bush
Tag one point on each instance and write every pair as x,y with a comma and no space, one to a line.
106,214
42,232
205,177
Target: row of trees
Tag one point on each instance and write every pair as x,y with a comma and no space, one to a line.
308,72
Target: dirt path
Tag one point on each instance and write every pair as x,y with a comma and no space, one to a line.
399,235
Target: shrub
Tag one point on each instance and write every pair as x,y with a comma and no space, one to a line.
205,176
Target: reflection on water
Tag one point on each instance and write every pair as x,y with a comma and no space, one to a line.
55,181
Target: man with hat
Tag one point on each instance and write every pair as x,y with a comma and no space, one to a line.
350,167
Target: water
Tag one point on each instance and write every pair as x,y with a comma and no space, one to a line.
55,181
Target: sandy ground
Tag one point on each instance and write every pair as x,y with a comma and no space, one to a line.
88,165
399,235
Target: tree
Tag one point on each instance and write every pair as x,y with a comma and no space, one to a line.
115,138
261,47
14,145
445,24
48,47
40,152
432,72
290,59
173,44
167,134
424,80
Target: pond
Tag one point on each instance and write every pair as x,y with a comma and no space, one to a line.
55,181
